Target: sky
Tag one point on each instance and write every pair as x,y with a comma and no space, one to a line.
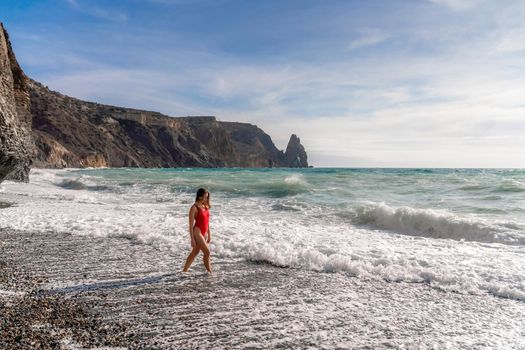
363,83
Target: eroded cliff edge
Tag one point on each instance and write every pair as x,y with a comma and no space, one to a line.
16,144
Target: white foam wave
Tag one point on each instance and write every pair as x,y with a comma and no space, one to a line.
378,266
435,224
290,185
296,179
44,206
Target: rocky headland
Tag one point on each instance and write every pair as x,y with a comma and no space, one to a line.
73,133
44,128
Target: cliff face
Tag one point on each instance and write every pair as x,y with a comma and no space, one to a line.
16,144
73,133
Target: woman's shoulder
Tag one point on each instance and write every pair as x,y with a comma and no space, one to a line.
197,207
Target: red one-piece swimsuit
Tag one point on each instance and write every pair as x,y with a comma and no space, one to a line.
202,220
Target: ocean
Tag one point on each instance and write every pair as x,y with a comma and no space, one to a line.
451,232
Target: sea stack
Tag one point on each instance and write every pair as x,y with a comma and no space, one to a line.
295,154
16,142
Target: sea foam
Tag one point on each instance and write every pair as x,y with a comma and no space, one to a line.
380,266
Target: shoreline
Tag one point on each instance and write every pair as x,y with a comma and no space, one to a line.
138,293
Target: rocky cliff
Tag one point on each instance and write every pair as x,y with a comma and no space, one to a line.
73,133
16,144
69,132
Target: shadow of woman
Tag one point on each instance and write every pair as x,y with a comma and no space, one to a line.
115,284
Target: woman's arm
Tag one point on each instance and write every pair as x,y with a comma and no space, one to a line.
209,235
191,222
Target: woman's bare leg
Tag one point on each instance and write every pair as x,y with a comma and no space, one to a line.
203,246
194,252
191,257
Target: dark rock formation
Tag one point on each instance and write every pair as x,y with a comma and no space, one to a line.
16,144
295,155
73,133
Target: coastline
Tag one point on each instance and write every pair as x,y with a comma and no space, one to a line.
137,294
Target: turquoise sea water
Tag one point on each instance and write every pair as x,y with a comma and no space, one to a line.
441,227
482,197
469,191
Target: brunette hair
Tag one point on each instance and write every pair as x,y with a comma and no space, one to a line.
200,193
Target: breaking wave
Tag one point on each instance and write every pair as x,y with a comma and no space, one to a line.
436,224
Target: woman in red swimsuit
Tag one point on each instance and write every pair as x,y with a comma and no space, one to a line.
200,233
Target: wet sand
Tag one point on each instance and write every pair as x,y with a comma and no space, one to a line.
65,291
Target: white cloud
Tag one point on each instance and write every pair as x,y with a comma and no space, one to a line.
110,15
511,40
457,5
369,37
99,12
173,2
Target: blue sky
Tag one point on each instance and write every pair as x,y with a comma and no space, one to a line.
392,83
